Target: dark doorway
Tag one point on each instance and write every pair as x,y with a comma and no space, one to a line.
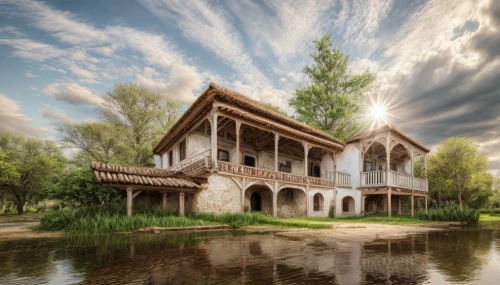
256,202
314,170
249,161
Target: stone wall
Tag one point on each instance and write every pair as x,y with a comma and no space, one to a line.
291,203
347,192
220,195
328,200
266,196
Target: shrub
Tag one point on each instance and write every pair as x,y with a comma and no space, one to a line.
451,213
331,212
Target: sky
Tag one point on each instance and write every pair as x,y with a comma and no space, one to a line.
437,62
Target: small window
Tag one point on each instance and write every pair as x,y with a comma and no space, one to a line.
318,202
345,205
368,166
249,161
314,170
182,150
286,167
393,167
223,155
171,158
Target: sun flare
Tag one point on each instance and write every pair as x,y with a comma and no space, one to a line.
378,112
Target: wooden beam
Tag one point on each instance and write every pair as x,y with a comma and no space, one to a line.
389,203
155,188
181,204
136,194
412,207
238,155
276,140
213,139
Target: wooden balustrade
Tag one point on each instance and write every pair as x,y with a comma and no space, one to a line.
249,171
190,160
343,179
378,178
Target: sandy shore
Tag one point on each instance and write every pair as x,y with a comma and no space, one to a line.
22,230
359,232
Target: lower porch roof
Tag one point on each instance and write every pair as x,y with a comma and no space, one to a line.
141,178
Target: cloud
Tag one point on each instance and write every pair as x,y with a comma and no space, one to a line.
28,74
74,94
58,118
13,31
32,50
15,122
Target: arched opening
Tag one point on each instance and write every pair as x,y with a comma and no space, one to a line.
291,202
259,198
348,206
318,202
255,202
400,159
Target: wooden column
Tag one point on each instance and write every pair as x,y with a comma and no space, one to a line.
389,204
238,155
306,153
307,201
399,205
164,201
411,162
130,201
275,200
213,139
388,158
426,204
412,202
362,203
181,204
276,140
425,165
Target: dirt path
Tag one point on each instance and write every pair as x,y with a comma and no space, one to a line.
20,227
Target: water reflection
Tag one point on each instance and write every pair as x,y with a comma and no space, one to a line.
233,257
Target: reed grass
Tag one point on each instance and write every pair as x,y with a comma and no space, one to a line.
451,213
111,218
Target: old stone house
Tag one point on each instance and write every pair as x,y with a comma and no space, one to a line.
229,153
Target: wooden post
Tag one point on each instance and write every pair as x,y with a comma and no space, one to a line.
130,200
426,203
389,202
164,201
306,152
388,158
181,204
213,139
362,203
238,156
275,200
425,165
399,205
412,208
276,140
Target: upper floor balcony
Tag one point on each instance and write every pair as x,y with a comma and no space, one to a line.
392,179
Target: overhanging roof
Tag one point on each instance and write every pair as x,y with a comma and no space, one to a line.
224,95
383,129
141,178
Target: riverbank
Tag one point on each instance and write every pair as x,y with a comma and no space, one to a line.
324,229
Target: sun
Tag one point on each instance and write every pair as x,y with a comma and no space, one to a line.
378,112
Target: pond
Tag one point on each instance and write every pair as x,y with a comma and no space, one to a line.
237,257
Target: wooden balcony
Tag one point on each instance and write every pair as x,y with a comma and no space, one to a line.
395,179
247,171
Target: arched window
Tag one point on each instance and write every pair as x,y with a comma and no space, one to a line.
348,205
318,202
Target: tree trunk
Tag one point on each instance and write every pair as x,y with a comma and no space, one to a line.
20,207
460,198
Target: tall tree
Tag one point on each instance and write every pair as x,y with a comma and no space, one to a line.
459,165
131,123
333,100
38,163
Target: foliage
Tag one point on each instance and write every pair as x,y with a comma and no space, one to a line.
451,213
333,99
132,121
494,200
458,171
277,109
38,163
331,212
110,218
78,186
9,174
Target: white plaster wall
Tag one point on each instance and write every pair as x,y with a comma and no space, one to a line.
344,192
348,162
157,159
221,195
328,200
197,143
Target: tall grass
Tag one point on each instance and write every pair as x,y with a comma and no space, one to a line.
451,213
494,211
112,218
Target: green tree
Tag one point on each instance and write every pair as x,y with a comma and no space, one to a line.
78,186
8,175
458,166
333,99
38,163
131,123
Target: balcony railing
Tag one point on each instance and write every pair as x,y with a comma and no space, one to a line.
343,179
249,171
204,155
378,178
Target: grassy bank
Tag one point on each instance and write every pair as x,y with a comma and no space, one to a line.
451,213
112,218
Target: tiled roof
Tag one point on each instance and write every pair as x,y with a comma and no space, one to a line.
114,174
